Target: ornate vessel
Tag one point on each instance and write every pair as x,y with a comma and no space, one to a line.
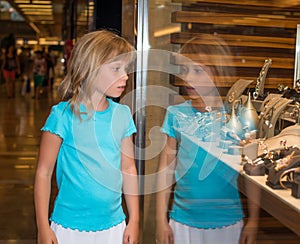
249,117
234,124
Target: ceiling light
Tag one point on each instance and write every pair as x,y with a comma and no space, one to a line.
38,13
34,6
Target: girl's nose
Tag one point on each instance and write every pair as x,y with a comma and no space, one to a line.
124,76
189,78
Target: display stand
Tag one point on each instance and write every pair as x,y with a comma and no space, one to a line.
279,203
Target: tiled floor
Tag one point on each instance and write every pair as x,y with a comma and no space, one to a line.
20,121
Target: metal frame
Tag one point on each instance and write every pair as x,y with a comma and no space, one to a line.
140,96
297,57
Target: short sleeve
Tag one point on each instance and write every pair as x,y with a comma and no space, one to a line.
168,124
131,129
55,122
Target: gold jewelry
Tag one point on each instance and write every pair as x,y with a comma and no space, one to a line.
259,88
283,162
289,174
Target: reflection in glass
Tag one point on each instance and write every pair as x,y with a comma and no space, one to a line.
206,197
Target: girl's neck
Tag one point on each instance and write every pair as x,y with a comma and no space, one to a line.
199,104
100,104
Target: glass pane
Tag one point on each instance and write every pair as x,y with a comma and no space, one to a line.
245,47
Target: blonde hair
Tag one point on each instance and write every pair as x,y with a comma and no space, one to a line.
89,53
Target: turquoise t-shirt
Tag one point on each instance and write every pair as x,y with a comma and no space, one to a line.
209,201
88,171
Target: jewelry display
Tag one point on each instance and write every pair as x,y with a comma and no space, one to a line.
295,114
296,183
269,101
258,165
248,115
283,162
297,86
235,93
250,149
270,114
291,93
272,162
289,176
260,81
289,158
255,167
202,125
234,125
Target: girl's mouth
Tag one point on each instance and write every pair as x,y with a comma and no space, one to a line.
121,88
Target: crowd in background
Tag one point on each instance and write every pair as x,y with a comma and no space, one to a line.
35,70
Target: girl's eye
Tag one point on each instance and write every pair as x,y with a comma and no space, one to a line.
198,70
116,69
183,69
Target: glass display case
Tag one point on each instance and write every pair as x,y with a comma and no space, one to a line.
253,32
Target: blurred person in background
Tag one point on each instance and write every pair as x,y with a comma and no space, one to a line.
10,68
26,61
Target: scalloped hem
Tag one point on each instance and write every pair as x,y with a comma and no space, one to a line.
238,221
45,129
83,230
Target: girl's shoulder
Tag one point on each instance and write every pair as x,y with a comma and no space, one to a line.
114,105
61,108
181,106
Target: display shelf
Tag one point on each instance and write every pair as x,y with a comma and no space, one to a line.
277,202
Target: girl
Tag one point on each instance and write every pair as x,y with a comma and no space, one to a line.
10,67
90,138
206,208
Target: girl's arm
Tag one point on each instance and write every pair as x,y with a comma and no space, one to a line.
164,184
130,190
249,233
49,148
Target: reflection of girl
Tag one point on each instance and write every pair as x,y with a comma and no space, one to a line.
90,137
206,208
10,68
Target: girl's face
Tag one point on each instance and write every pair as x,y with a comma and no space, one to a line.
111,78
198,80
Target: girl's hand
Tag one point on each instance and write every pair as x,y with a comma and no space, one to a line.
131,233
47,237
249,233
164,233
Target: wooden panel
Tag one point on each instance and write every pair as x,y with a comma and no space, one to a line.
254,30
260,3
269,83
238,40
231,19
240,61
